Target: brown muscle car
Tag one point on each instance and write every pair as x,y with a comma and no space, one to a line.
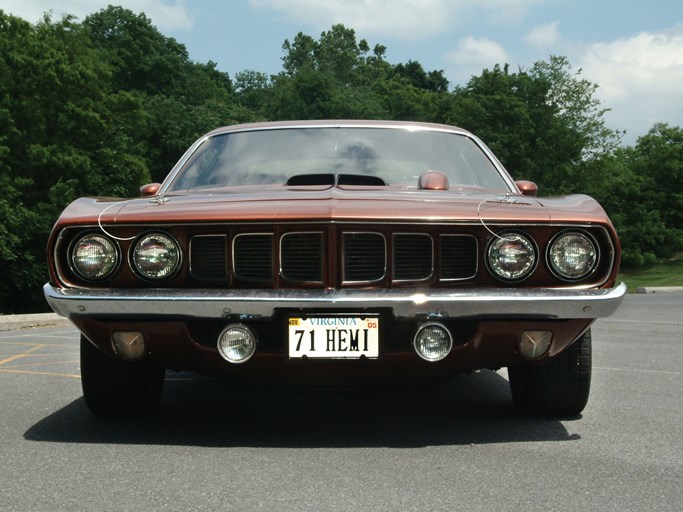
335,253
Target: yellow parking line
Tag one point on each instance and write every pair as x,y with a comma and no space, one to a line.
43,373
23,354
49,363
30,344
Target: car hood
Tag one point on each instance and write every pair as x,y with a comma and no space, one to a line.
368,204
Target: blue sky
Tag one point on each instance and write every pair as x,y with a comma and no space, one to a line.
633,49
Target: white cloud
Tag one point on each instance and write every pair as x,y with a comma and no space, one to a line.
403,19
640,79
473,55
165,15
543,36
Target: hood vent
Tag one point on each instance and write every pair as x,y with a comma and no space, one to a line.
335,180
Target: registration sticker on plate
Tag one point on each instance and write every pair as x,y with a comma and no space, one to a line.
334,337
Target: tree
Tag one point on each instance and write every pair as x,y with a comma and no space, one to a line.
252,89
542,123
413,71
141,58
659,158
177,100
576,105
338,76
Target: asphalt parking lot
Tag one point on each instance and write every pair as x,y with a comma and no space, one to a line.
456,446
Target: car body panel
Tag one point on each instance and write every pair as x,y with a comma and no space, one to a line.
337,204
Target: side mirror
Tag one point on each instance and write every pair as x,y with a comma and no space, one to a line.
150,189
527,188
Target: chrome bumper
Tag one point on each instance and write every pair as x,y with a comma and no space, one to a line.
405,303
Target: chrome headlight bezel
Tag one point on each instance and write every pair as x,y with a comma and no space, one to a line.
592,264
496,266
169,259
111,253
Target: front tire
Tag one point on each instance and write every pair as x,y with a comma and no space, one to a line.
558,388
117,388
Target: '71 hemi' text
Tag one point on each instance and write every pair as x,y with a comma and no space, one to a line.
334,337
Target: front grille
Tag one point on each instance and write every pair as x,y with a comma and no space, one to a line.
301,257
253,257
364,257
413,257
285,257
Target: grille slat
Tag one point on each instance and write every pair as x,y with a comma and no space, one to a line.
458,257
364,257
253,257
301,256
413,257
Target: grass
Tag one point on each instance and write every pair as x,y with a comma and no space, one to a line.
669,273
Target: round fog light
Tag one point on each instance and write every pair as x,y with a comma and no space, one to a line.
237,343
432,342
535,344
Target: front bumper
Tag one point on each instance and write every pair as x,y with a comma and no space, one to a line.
532,303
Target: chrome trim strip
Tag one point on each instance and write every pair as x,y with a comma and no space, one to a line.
531,303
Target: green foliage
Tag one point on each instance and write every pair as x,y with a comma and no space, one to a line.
140,57
666,273
338,77
659,159
103,106
541,123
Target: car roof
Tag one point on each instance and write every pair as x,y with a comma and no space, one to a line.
337,123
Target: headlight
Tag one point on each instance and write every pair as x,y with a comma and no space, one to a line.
573,255
94,257
511,257
156,256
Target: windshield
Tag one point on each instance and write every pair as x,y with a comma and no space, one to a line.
395,156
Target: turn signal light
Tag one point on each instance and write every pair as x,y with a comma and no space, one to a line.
535,344
130,345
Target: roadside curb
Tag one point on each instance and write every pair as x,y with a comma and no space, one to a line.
659,289
16,322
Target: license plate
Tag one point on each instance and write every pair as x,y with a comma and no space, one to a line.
334,337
